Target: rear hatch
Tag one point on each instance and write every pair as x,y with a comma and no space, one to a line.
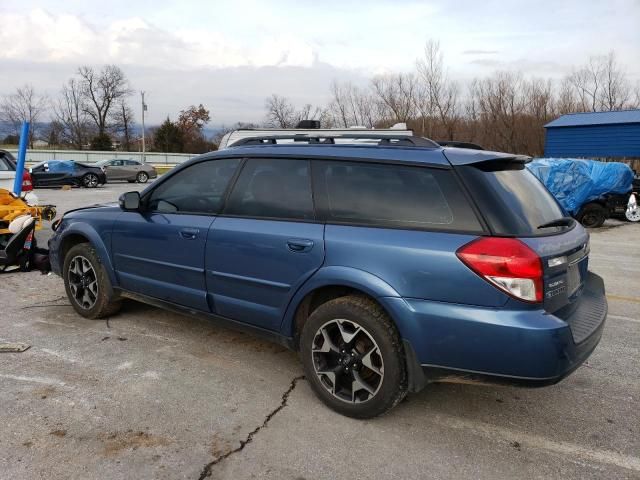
514,203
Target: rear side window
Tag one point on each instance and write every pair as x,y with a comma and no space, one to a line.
273,188
196,189
394,196
512,199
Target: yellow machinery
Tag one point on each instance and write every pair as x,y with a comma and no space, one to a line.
12,207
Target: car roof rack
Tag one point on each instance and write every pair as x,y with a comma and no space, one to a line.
385,139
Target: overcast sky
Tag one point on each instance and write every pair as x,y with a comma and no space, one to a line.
230,55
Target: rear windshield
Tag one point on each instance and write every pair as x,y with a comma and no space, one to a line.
512,199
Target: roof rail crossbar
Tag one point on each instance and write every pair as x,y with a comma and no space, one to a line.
383,139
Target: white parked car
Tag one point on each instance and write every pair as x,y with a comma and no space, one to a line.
8,174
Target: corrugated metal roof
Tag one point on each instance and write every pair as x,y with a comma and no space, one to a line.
595,118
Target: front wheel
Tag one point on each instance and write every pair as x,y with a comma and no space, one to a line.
142,177
353,357
90,180
87,283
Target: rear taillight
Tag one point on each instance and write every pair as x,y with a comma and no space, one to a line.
507,263
27,186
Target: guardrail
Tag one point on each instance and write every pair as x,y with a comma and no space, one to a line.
90,156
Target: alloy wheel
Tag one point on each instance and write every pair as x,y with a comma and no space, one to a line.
633,214
347,361
142,177
83,282
90,180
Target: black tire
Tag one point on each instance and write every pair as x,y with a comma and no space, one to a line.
142,177
105,304
90,180
592,215
391,384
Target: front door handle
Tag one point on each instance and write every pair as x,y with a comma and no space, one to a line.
299,245
189,233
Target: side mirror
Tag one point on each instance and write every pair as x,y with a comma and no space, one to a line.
130,201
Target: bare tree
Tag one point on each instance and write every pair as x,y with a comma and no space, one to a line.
438,95
103,91
616,89
601,85
70,112
123,119
23,105
396,96
352,106
281,113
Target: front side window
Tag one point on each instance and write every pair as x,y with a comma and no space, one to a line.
273,188
394,196
196,189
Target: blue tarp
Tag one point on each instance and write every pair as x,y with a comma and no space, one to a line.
575,182
61,165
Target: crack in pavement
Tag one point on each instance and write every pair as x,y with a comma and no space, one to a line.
48,303
207,470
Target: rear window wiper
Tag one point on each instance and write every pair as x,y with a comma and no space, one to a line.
560,222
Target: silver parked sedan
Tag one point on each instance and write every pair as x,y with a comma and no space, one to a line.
129,170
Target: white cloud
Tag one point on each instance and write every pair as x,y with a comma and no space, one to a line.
231,54
135,41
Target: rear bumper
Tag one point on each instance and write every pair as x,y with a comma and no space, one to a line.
446,342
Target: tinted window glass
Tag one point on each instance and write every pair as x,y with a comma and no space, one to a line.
131,162
512,199
196,189
395,196
4,166
273,188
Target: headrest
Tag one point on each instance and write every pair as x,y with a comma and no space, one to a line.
20,223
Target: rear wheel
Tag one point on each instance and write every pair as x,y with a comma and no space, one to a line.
90,180
142,177
87,283
592,215
353,357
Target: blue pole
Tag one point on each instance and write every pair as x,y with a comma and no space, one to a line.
22,153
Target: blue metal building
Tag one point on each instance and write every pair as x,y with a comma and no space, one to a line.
594,135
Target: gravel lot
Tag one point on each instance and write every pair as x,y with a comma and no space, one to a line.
152,394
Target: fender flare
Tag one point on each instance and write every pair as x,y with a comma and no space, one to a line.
338,276
96,242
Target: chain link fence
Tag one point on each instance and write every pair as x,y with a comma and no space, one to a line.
89,156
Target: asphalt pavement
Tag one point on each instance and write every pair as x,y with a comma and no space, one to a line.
152,394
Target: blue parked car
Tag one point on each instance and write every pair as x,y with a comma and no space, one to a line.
387,263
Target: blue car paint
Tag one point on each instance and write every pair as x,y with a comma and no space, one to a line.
244,270
252,270
162,255
416,264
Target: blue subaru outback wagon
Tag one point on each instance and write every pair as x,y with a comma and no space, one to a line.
388,263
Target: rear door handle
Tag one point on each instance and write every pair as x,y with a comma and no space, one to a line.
189,233
299,245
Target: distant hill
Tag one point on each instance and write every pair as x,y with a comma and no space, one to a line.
7,128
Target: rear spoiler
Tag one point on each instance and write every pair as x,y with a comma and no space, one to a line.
465,156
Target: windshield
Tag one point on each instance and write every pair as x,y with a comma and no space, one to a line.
512,199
